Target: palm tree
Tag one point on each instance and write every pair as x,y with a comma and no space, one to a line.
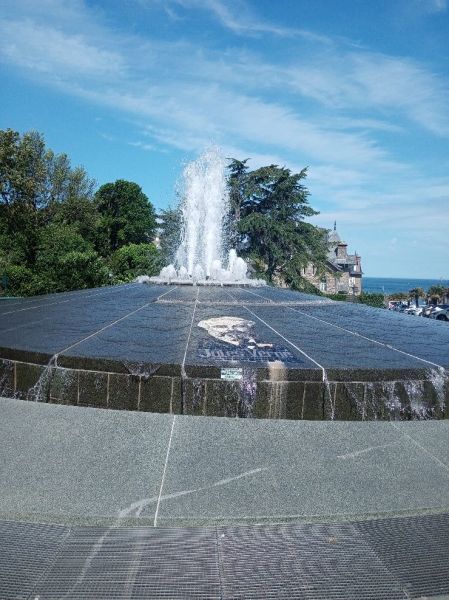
435,293
417,293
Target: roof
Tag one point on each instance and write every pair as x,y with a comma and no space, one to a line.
333,237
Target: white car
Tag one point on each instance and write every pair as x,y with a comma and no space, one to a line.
414,310
440,312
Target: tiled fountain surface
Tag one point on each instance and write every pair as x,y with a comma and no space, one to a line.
98,504
139,347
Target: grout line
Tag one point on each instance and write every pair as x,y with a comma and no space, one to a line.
164,471
104,328
44,304
351,332
423,448
165,293
139,392
190,333
366,337
303,400
287,340
283,337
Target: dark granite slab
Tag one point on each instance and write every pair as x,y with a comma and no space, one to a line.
156,336
425,338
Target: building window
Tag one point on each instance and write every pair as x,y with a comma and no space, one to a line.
323,285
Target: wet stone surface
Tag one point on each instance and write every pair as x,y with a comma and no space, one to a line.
266,353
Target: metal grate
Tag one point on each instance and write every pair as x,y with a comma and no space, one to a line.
308,562
138,562
388,559
26,551
415,550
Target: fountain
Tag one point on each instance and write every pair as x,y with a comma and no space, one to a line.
221,351
202,257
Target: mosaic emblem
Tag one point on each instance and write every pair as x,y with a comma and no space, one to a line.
235,338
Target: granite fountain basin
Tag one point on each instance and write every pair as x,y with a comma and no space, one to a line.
218,351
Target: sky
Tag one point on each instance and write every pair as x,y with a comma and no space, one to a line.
356,90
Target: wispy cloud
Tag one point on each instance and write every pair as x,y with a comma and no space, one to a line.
325,104
433,6
240,20
43,49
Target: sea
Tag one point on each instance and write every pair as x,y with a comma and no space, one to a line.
391,285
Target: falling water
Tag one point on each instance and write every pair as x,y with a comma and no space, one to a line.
204,210
203,255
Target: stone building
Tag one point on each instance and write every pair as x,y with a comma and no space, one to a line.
343,271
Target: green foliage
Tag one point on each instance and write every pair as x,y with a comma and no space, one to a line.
54,234
339,297
68,261
398,296
170,231
126,215
372,299
268,207
436,292
135,259
77,270
417,293
20,280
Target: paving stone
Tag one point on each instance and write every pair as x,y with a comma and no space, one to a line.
64,464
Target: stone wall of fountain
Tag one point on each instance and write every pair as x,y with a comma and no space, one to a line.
203,256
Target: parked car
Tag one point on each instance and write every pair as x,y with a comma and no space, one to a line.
392,304
401,307
443,315
440,312
414,310
427,310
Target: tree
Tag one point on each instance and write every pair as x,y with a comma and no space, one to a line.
135,259
238,190
22,189
435,293
417,293
34,183
126,214
270,205
170,233
66,261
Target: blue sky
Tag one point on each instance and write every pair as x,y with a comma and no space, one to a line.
357,90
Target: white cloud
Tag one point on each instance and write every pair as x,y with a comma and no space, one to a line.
55,53
329,109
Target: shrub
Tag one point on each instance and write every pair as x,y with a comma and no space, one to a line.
372,299
135,259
